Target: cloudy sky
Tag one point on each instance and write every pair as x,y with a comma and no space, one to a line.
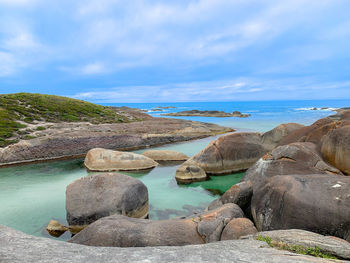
163,51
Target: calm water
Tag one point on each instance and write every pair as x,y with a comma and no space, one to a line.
32,195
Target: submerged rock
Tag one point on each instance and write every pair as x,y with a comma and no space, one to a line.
93,197
186,174
103,160
238,227
55,228
315,202
165,155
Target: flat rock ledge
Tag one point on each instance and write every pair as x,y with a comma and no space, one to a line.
16,246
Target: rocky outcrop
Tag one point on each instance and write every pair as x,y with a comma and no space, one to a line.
186,174
103,160
17,247
206,113
336,148
296,158
229,153
122,231
295,237
319,203
238,227
93,197
272,138
67,140
165,155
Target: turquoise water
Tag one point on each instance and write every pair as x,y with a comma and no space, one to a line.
32,195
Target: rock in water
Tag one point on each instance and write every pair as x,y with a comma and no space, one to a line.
103,160
55,228
165,155
96,196
186,174
121,231
336,148
319,203
238,227
272,138
229,153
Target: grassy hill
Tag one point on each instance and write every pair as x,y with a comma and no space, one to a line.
16,110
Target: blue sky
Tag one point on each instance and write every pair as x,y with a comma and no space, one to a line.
164,51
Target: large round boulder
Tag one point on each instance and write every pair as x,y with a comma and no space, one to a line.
165,155
273,137
121,231
186,174
104,160
93,197
319,203
336,148
238,227
229,153
295,158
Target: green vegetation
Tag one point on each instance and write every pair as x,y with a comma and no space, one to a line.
316,251
19,108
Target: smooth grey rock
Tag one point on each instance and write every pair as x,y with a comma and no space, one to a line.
165,155
238,227
319,203
239,194
104,160
17,247
92,197
327,244
186,174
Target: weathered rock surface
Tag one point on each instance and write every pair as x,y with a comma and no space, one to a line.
336,148
272,138
93,197
229,153
18,247
123,231
165,155
296,158
319,203
186,174
296,237
103,160
66,140
238,227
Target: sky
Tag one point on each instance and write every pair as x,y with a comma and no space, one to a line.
118,51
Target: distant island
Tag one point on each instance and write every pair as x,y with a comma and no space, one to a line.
208,114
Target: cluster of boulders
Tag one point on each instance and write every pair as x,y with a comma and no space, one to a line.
295,179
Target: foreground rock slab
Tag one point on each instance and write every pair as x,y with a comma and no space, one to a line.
121,231
96,196
17,247
296,237
103,160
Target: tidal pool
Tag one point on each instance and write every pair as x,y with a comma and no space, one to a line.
32,195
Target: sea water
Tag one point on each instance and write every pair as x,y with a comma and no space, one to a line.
31,195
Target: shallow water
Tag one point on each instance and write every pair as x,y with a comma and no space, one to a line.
32,195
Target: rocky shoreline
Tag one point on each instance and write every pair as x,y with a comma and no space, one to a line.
73,140
207,114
